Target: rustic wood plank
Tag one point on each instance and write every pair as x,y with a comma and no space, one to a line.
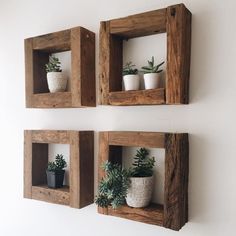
137,97
39,163
53,42
57,196
87,62
152,214
137,139
139,25
51,100
86,170
74,169
176,181
50,136
27,164
178,54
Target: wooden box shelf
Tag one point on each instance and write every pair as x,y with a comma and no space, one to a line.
80,193
81,43
176,22
173,213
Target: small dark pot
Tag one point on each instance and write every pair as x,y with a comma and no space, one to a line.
55,178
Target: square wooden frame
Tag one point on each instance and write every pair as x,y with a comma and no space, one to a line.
81,42
81,174
173,213
176,22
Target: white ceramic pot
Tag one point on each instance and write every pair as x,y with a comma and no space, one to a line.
56,82
140,191
152,80
131,82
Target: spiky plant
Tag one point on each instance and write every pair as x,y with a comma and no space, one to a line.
142,165
129,69
151,67
54,65
58,164
113,187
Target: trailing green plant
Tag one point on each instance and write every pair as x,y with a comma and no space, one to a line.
143,164
54,65
129,69
58,164
112,189
151,67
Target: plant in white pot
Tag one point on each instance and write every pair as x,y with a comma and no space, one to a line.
152,74
141,180
130,77
57,81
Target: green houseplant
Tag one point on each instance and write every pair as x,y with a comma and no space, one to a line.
131,78
141,179
112,189
151,74
56,80
55,172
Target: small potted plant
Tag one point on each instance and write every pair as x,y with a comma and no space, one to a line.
131,77
112,189
55,172
152,74
141,180
57,81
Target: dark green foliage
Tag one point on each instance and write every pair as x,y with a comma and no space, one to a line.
58,164
112,189
143,165
129,69
54,65
151,67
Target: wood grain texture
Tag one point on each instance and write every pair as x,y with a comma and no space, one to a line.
176,181
57,196
137,139
51,136
178,54
51,100
137,97
139,25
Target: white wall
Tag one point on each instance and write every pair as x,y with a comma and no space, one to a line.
209,118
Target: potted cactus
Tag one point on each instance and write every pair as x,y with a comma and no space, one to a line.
130,77
57,81
141,180
55,172
152,74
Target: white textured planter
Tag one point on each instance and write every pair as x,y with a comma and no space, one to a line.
151,80
56,82
140,191
131,82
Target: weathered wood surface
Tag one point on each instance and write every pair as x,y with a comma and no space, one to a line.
137,97
57,196
137,139
139,25
178,54
176,181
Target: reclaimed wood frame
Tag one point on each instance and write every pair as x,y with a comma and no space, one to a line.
81,43
173,213
81,173
175,20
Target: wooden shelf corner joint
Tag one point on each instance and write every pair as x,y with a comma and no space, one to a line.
81,43
173,214
80,193
176,22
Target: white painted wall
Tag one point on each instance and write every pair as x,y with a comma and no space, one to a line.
210,118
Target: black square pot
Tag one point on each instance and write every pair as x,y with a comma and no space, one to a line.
55,178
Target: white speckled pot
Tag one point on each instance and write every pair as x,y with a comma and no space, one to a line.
56,82
151,80
140,191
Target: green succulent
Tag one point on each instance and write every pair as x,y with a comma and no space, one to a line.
151,67
54,65
129,69
58,164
